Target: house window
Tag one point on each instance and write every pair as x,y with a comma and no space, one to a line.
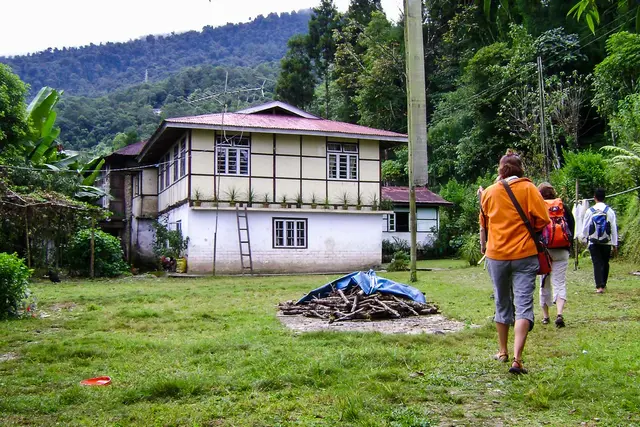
179,226
167,170
389,222
289,233
175,163
342,161
402,221
161,177
183,157
136,184
232,155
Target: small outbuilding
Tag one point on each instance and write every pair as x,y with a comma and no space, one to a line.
428,205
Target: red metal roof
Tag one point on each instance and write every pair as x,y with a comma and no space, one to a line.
131,150
423,195
285,122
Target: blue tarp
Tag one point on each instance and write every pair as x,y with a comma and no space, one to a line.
369,283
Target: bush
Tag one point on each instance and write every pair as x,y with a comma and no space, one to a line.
168,243
630,232
470,249
389,248
14,279
108,258
400,262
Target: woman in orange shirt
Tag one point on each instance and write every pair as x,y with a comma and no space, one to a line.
511,253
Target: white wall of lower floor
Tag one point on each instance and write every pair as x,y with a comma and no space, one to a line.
336,241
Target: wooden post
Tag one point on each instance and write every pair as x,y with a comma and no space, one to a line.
93,235
576,241
26,233
543,129
416,115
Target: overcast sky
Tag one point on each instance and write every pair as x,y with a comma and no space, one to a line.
35,25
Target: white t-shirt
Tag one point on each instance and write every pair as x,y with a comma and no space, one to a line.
611,217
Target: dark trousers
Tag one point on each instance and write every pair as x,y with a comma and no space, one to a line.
600,255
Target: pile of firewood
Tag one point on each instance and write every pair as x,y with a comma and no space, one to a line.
354,304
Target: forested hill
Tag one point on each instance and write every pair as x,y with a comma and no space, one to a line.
122,117
96,69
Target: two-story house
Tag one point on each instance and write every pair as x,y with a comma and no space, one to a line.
133,202
311,187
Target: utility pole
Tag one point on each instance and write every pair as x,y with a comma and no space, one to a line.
543,129
416,115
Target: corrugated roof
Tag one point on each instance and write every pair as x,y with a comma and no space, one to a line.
130,150
276,107
281,122
423,195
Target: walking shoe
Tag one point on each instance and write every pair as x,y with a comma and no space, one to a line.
560,321
600,290
501,357
545,320
517,368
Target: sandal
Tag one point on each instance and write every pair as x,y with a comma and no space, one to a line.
545,320
501,357
517,368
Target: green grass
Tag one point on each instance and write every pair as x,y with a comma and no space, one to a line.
211,352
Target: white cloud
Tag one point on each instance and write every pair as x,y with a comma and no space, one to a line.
35,25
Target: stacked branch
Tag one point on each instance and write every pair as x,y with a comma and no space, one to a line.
355,305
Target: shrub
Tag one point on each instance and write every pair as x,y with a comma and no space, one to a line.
168,243
108,256
470,249
630,232
14,279
389,248
400,262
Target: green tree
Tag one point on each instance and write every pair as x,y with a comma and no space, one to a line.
322,47
296,81
381,96
617,75
13,114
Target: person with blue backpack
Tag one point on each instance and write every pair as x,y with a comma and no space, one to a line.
601,231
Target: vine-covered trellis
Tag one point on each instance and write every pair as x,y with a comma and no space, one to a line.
39,225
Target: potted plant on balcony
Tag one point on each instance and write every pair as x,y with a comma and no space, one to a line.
198,195
232,194
251,197
298,200
374,202
345,201
359,201
265,200
283,201
314,201
327,205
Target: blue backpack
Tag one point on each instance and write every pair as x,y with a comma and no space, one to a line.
600,227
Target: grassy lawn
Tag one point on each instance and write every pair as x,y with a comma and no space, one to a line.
211,352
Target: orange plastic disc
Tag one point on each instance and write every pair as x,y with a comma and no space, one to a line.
97,381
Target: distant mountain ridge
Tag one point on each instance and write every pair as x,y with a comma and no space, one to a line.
98,69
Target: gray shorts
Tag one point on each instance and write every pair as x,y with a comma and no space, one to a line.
514,282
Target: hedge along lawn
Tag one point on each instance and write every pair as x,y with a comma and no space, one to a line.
211,352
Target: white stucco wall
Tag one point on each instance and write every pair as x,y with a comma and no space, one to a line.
336,241
426,218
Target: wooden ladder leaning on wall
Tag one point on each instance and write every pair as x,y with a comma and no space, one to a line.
243,241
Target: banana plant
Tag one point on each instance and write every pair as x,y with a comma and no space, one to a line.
42,148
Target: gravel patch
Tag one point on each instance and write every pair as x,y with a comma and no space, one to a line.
432,324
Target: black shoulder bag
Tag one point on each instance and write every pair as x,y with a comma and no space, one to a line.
543,254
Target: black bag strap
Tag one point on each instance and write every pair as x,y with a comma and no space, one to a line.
527,223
